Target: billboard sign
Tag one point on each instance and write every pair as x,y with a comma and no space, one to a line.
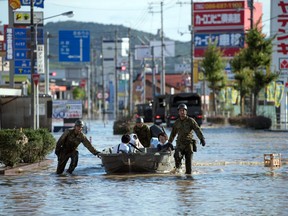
23,17
218,15
67,109
229,42
279,26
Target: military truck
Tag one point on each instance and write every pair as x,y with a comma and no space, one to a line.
145,111
193,102
159,103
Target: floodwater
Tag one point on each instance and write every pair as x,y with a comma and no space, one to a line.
229,178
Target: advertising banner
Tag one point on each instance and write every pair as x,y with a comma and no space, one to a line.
67,109
218,15
279,26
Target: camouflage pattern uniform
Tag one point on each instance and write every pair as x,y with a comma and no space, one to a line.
184,143
143,134
66,148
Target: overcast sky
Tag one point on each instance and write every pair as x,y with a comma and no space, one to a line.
138,14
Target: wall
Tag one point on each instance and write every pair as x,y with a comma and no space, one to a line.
15,112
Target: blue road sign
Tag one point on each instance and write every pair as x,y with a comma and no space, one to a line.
74,46
22,49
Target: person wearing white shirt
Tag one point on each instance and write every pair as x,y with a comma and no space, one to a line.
124,146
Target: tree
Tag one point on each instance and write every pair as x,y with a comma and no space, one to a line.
78,93
257,57
213,68
243,78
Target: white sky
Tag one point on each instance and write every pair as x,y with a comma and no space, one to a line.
141,15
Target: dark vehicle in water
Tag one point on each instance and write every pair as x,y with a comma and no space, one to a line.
193,102
159,103
144,111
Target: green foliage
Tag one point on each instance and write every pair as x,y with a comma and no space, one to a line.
213,68
78,93
10,147
31,151
121,126
252,65
28,146
216,119
259,122
256,122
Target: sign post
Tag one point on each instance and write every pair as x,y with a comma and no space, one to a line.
36,78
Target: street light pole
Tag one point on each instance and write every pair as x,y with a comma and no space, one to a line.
32,41
68,14
192,47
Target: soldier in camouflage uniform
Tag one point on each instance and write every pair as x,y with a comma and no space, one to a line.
143,132
67,144
185,144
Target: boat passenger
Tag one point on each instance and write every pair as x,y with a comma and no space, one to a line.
143,132
135,142
163,144
184,127
154,142
67,145
124,146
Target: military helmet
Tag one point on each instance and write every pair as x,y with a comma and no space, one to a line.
79,123
139,120
182,106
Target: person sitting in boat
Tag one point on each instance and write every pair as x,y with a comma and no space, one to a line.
135,142
155,130
143,132
154,142
163,144
124,146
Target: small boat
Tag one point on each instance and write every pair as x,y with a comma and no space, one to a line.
149,160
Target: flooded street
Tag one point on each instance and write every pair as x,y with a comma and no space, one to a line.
229,178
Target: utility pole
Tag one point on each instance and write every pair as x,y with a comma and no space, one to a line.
103,83
130,68
191,29
116,78
32,41
163,84
251,6
192,46
153,73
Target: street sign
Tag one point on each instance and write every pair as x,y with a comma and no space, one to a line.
36,78
22,49
74,46
40,59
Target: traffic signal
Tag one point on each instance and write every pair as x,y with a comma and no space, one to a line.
53,73
121,68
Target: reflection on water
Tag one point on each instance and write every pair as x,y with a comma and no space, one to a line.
229,178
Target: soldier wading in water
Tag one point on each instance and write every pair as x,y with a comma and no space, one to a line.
185,144
67,144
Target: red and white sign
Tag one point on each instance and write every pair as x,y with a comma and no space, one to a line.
100,95
220,22
36,78
218,15
279,26
83,83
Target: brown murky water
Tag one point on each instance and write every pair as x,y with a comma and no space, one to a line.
228,179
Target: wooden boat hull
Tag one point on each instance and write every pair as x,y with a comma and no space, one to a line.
148,162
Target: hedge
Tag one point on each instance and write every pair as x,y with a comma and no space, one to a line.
25,146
